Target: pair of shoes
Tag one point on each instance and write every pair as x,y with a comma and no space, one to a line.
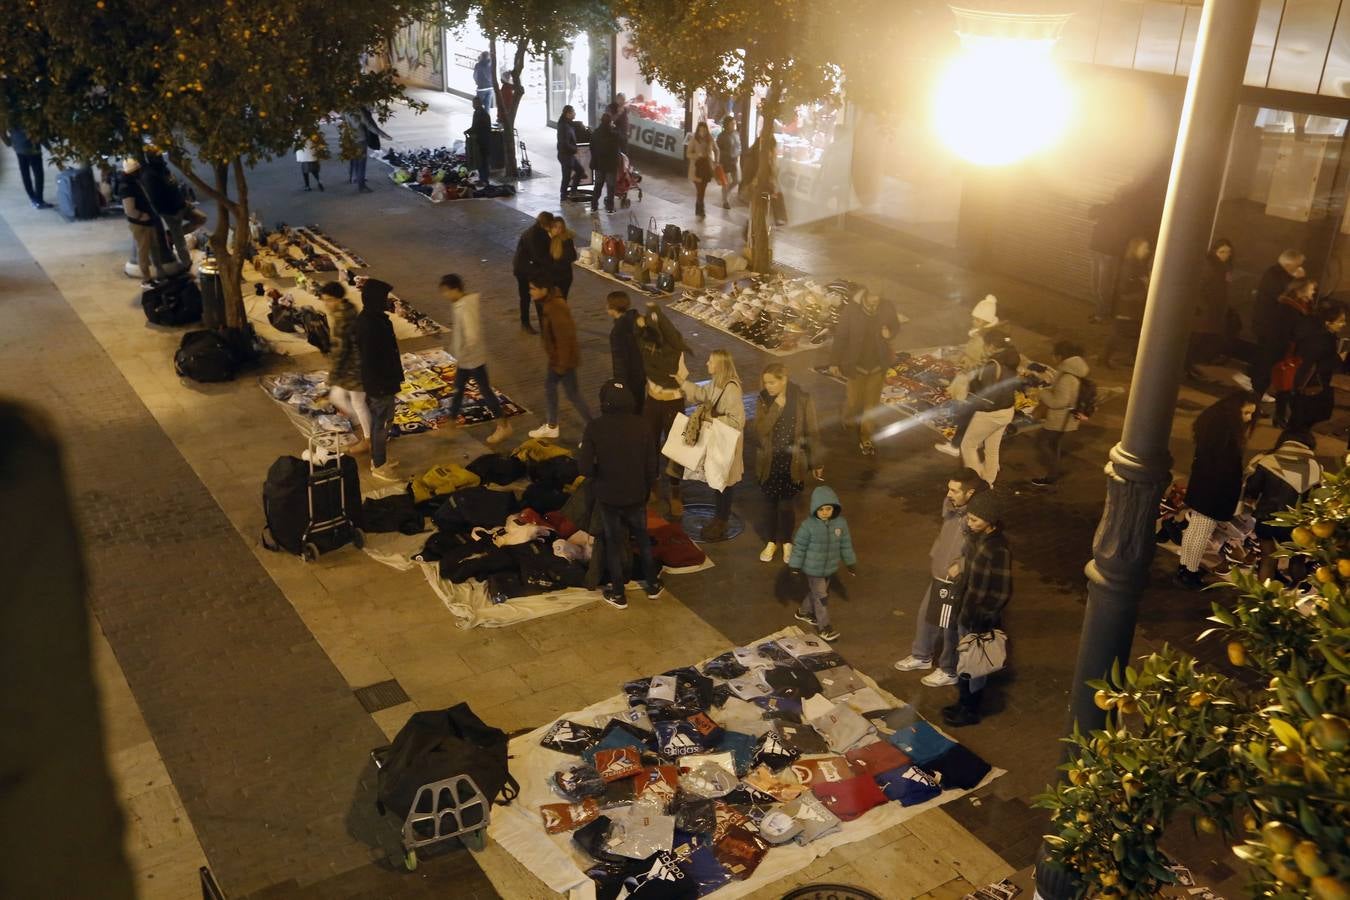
364,189
615,598
948,448
609,207
715,530
308,188
827,634
960,716
653,588
1044,482
545,432
528,328
1185,578
867,448
769,552
913,663
938,678
803,617
41,204
500,433
787,551
386,472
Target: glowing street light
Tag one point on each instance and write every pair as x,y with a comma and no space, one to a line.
1002,98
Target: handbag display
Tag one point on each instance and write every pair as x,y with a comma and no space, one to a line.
653,238
671,267
691,276
670,239
597,244
635,233
982,653
689,241
633,253
613,245
609,264
688,258
651,261
665,282
716,266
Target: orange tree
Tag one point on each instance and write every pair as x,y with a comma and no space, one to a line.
216,87
1259,756
529,27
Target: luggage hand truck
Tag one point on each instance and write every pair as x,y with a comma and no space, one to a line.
453,807
325,448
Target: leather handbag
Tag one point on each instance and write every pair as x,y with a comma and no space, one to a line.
665,282
634,254
717,266
688,258
653,238
691,276
613,245
652,262
671,267
689,241
635,233
597,244
982,653
609,264
670,239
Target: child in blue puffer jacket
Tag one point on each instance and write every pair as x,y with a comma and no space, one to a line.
822,542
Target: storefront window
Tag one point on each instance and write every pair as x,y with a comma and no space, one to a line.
567,73
464,47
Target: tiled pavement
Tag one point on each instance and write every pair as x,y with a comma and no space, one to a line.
243,663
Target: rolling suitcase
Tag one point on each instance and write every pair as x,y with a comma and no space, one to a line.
77,194
313,506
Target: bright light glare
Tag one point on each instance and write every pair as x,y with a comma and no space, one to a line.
1000,101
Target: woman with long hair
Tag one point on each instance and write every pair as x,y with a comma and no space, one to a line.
1215,484
1210,330
562,252
701,151
723,398
1318,349
789,447
1292,319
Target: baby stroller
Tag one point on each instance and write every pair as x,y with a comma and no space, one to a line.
627,179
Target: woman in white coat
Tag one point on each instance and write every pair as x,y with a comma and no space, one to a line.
725,404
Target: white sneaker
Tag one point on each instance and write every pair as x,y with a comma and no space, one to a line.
913,664
939,678
386,472
787,552
545,431
948,448
1243,381
501,433
1266,398
767,554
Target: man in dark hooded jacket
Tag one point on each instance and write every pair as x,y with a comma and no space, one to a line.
381,371
619,459
532,261
623,347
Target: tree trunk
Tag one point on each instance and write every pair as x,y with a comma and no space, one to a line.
766,184
507,109
229,261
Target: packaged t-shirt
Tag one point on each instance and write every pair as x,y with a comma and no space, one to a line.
840,680
909,786
662,878
677,738
560,817
698,862
814,816
773,752
842,728
802,738
959,768
740,851
656,784
851,798
921,742
622,762
641,832
877,757
779,787
813,771
577,781
570,737
740,746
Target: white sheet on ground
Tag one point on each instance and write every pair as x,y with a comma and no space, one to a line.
556,861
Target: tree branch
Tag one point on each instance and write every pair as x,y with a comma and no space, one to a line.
184,165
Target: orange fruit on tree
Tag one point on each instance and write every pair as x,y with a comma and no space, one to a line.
1324,528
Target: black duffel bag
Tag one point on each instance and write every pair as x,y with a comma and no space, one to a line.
434,746
173,301
205,356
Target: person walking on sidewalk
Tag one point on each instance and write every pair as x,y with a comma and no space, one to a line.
572,172
366,133
345,389
1215,483
729,156
624,350
381,371
560,346
860,355
532,260
993,393
725,403
466,345
307,155
1277,480
604,162
29,155
620,460
482,80
562,252
984,584
935,625
821,544
1265,315
702,155
663,363
141,221
788,447
1058,403
983,319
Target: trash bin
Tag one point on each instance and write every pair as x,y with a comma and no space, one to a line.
213,294
496,150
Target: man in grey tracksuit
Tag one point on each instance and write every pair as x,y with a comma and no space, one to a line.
946,551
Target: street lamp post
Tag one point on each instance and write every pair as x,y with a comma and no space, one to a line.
1139,467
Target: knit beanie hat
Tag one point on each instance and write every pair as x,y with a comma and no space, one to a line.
986,310
987,505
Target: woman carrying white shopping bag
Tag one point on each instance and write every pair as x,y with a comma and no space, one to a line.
722,437
984,584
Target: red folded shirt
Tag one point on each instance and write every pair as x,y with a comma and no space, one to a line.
849,799
875,758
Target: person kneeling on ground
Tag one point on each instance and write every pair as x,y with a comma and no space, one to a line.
984,585
619,458
822,542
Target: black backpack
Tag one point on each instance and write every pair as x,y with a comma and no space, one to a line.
174,301
433,746
1086,405
205,356
315,325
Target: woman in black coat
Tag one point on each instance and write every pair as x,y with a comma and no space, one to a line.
1210,329
1318,346
1215,484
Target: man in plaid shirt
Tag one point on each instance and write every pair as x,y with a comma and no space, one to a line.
984,583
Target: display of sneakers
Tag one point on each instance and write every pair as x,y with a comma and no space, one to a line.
913,663
500,433
787,552
769,552
939,678
386,472
828,634
803,617
948,448
615,598
653,588
545,431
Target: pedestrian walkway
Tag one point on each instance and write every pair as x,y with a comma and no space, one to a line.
243,663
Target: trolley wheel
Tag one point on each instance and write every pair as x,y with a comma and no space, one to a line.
358,538
475,840
410,860
309,552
